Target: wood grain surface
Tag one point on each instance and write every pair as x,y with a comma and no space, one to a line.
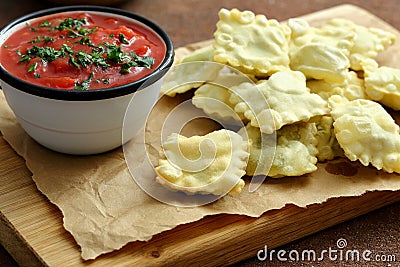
31,228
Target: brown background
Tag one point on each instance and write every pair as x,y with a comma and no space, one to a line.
188,21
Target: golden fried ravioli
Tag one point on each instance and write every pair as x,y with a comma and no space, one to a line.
321,61
368,43
292,153
382,84
187,76
251,43
285,100
321,52
337,33
209,164
213,97
366,132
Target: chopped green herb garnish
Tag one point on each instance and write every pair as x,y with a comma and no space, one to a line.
45,24
85,41
24,58
45,39
73,34
145,61
85,84
137,61
115,54
69,23
73,62
84,58
46,53
66,49
36,40
37,75
80,33
32,67
6,46
126,66
122,39
103,55
99,60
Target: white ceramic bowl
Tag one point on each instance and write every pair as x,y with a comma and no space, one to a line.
83,122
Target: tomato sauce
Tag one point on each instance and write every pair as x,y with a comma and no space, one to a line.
82,51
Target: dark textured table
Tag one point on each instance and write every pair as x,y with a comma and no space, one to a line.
191,21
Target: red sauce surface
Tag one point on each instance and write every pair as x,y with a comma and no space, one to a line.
66,72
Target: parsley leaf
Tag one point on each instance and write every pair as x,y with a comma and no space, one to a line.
116,55
36,40
122,39
47,39
44,38
32,67
73,62
99,61
84,58
45,53
45,24
85,41
66,49
71,24
85,84
145,61
24,58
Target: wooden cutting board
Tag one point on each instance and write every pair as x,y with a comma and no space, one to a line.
31,227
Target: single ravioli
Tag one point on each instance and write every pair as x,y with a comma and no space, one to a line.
213,97
209,164
286,100
251,43
327,145
356,41
366,132
296,150
352,88
321,52
368,43
292,153
382,84
338,33
321,61
187,76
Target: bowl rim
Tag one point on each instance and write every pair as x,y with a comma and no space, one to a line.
98,94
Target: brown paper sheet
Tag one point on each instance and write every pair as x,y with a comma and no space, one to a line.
104,208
